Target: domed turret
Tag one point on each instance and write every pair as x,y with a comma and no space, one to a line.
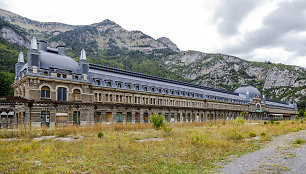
248,91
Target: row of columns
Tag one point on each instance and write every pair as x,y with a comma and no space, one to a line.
5,123
143,116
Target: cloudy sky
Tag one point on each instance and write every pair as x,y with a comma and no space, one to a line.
260,30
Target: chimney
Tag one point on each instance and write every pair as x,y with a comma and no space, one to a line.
42,45
61,50
83,55
33,44
20,57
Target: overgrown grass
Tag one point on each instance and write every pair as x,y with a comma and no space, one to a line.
189,148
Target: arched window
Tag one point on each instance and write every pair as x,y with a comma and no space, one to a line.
76,94
45,92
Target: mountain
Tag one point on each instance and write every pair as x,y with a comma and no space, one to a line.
109,44
42,30
277,81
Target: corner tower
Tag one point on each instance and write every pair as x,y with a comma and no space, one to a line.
33,55
19,65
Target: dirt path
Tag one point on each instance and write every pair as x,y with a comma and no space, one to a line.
280,155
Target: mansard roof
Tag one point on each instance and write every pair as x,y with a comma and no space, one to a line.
48,60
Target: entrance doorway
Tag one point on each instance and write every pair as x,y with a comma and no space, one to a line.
146,117
108,116
45,118
98,117
129,117
76,118
119,117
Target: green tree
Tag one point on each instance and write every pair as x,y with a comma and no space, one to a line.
301,113
6,80
157,121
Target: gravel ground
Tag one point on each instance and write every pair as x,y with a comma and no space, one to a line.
280,155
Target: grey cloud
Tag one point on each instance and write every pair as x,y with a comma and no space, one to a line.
280,29
231,13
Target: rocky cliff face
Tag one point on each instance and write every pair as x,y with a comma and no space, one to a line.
11,36
108,43
168,43
279,81
108,34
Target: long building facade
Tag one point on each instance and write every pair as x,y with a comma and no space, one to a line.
54,89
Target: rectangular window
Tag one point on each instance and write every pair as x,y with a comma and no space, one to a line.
61,94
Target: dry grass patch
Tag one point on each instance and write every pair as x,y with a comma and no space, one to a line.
189,148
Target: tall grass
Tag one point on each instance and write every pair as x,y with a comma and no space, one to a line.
190,148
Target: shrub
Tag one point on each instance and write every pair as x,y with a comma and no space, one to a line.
234,135
157,121
100,134
277,122
272,121
263,134
299,141
252,134
167,129
265,122
239,136
239,120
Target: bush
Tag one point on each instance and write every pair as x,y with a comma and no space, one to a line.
100,134
157,121
239,120
234,135
272,121
277,122
299,141
263,134
265,122
239,136
252,134
167,129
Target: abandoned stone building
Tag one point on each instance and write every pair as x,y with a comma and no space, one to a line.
52,88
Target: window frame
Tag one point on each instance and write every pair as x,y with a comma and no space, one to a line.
45,92
61,94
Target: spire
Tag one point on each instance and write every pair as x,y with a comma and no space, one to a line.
34,43
20,57
83,55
